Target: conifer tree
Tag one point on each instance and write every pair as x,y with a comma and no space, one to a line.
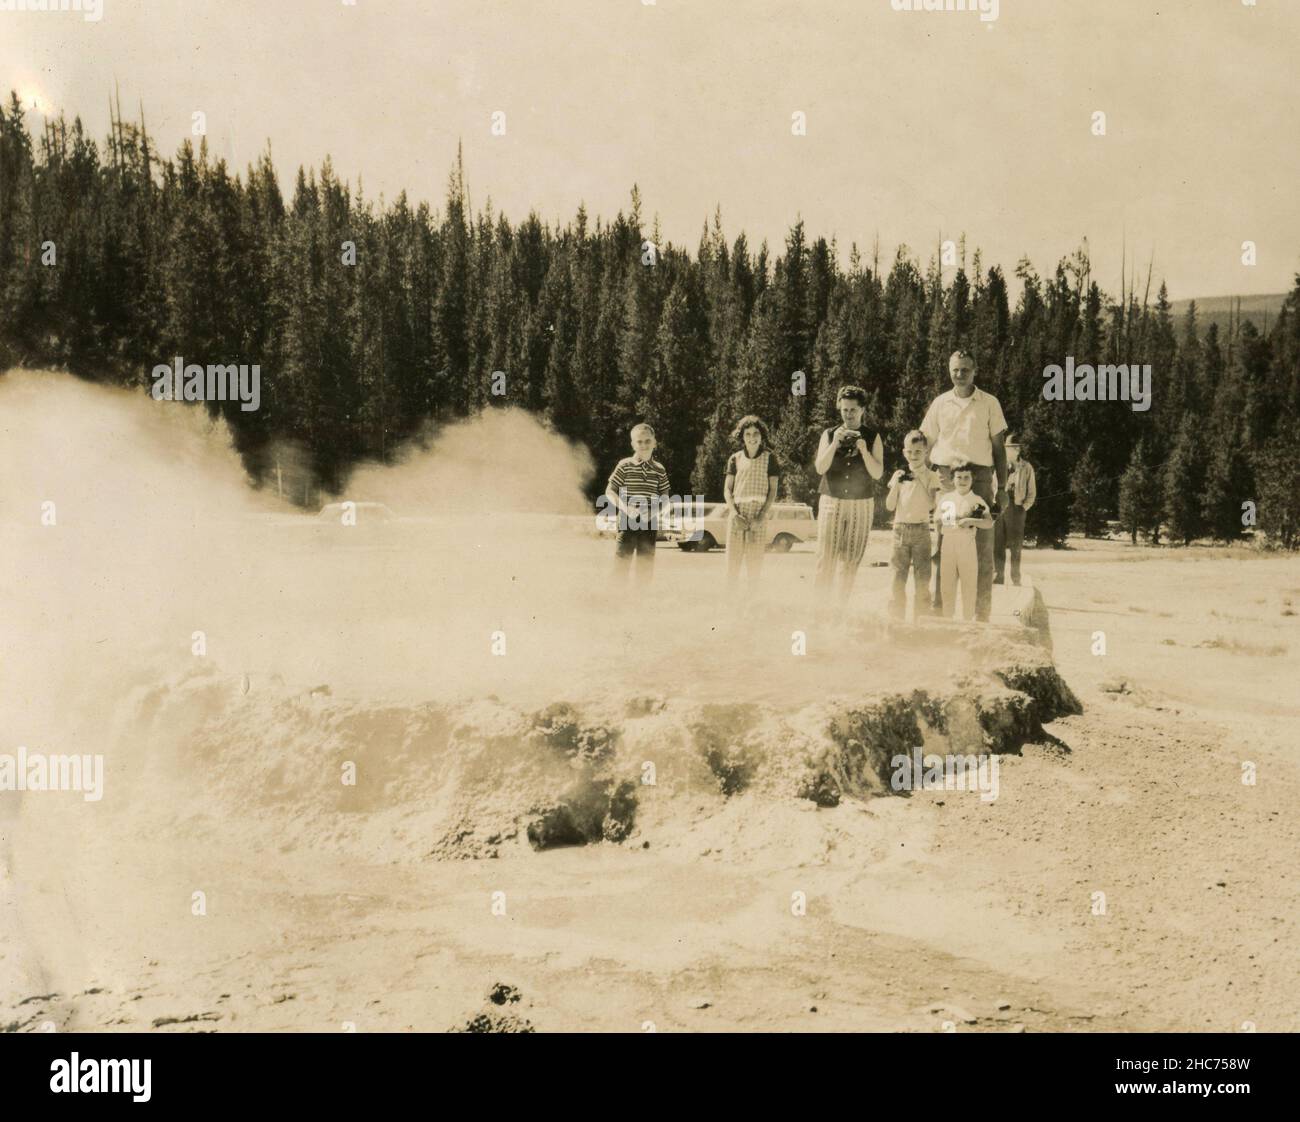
1140,496
1184,477
1088,495
1277,470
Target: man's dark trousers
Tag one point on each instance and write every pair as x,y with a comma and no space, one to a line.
1009,533
982,485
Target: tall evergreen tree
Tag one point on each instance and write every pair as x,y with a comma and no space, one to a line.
1140,496
1184,477
1088,495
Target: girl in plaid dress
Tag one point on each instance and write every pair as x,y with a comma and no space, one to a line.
750,491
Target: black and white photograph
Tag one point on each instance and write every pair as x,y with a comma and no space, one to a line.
650,516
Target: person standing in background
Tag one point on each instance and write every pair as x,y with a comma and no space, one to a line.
911,498
966,425
637,488
750,490
1022,492
848,466
961,515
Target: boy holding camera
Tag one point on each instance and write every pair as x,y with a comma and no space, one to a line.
911,498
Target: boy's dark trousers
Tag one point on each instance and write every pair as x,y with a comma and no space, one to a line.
1009,532
638,529
639,543
982,485
911,554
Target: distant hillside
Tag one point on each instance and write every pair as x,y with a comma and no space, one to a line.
1260,310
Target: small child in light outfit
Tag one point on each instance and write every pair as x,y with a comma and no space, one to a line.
960,512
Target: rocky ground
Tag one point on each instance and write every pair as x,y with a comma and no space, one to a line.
727,900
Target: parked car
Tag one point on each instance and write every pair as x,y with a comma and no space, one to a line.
686,518
671,520
788,524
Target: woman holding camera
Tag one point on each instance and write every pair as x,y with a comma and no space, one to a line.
848,467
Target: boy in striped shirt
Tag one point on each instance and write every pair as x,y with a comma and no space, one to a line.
637,488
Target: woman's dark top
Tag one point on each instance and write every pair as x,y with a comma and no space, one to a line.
847,477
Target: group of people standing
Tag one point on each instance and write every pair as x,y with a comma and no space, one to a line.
963,473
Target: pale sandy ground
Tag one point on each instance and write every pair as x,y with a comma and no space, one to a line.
324,906
924,914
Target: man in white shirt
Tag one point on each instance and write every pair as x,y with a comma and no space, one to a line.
965,424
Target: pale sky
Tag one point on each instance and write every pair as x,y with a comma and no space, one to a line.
920,125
